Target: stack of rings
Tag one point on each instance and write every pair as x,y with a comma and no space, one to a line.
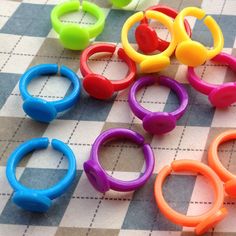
146,36
187,51
149,63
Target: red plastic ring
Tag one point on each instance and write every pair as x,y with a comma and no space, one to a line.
99,86
162,44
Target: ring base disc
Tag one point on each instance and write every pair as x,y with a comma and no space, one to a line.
211,221
146,38
98,86
40,110
96,176
191,53
32,201
159,123
223,96
74,37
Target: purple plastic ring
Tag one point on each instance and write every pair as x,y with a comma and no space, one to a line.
98,177
158,122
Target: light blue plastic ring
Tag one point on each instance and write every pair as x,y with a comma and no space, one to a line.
37,200
40,109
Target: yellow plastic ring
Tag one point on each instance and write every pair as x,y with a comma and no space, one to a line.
190,52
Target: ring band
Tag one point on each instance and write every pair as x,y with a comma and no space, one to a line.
214,162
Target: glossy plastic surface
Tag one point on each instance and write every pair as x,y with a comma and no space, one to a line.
220,96
34,199
40,109
73,36
158,122
100,180
98,86
147,37
202,223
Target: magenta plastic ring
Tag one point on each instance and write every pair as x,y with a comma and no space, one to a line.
220,96
158,122
103,182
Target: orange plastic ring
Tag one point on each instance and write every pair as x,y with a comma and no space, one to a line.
228,178
204,222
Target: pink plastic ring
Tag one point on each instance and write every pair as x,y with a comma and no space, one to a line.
220,96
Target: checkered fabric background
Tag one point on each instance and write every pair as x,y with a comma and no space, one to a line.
26,39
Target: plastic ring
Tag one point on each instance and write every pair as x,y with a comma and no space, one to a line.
74,36
121,3
40,109
99,86
149,63
203,222
158,122
32,199
190,52
100,180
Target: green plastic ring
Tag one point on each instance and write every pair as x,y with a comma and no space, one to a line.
74,36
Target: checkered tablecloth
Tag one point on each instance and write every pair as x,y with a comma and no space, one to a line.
27,39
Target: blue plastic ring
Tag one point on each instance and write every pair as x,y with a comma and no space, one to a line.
38,200
40,109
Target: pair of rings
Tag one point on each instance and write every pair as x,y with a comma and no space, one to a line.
74,36
146,37
220,96
149,63
40,109
187,51
98,86
158,122
217,175
41,200
34,199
